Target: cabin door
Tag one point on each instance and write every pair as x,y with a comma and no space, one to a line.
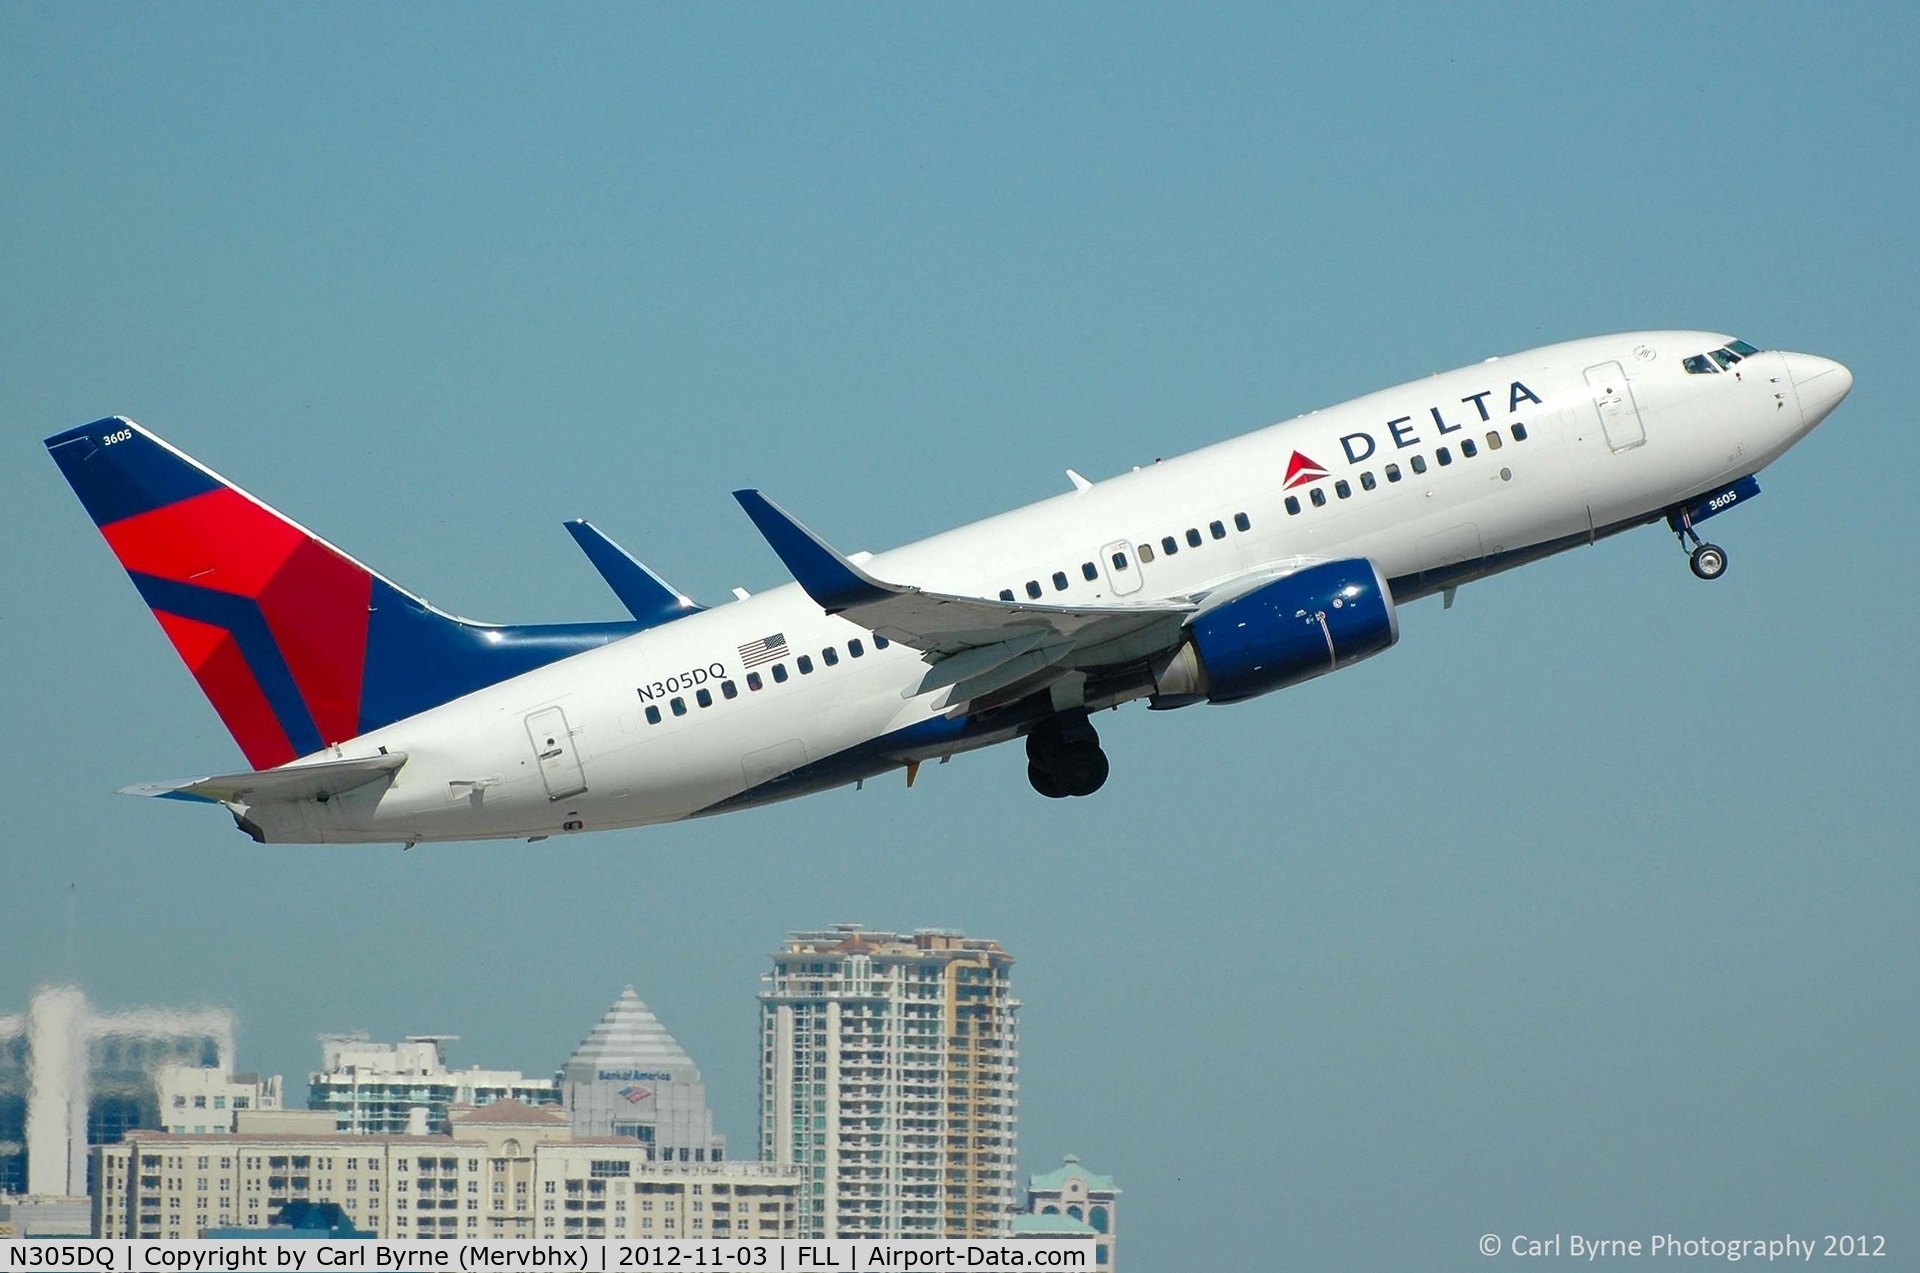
1613,399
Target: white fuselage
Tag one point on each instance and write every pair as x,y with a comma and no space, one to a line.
1589,459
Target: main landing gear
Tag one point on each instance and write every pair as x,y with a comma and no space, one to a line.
1064,757
1708,561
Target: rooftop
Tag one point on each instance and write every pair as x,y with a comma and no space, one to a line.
629,1037
507,1112
1052,1181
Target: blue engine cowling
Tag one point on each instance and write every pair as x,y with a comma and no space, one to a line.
1312,622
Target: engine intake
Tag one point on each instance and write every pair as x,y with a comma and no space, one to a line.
1312,622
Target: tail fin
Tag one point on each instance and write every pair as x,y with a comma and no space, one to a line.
297,645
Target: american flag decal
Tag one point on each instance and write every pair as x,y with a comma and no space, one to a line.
765,650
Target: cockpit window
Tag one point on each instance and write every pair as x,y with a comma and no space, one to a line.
1725,357
1742,348
1699,365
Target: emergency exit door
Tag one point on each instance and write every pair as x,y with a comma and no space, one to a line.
553,747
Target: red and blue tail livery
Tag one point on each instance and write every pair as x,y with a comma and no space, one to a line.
298,646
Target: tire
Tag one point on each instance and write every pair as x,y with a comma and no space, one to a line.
1047,783
1709,561
1092,775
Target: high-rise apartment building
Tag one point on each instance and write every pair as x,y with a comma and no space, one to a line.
888,1074
405,1088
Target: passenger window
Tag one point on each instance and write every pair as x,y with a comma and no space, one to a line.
1033,589
729,690
1217,529
653,714
1341,488
1366,481
1059,581
830,656
1493,440
1119,561
704,697
1145,552
1393,472
1519,432
1318,496
1293,506
1006,594
856,649
1443,455
1089,571
1240,522
1468,449
1169,545
779,673
753,680
1699,366
1193,537
1418,463
880,642
679,706
805,664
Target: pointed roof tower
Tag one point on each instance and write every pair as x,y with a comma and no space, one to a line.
629,1078
628,1037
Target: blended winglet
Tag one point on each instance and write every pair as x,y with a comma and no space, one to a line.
650,599
829,578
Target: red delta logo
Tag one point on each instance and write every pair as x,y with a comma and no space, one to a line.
635,1095
1301,470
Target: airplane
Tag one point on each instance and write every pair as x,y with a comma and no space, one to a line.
368,715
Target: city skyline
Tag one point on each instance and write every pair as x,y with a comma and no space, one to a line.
339,1052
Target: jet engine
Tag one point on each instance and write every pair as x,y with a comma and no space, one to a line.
1311,622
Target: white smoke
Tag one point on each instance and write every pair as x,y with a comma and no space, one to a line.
60,1027
57,1092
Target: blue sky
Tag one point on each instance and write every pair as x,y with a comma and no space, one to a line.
1589,908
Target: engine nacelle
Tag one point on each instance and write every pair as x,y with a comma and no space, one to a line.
1312,622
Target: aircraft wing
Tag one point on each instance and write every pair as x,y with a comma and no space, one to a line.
1029,636
320,781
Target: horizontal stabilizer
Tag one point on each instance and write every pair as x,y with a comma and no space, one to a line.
320,781
649,598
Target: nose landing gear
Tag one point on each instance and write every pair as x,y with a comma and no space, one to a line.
1708,561
1064,758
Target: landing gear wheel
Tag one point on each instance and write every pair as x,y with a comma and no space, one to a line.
1081,768
1064,758
1709,561
1046,782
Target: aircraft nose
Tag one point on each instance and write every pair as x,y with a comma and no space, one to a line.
1820,383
